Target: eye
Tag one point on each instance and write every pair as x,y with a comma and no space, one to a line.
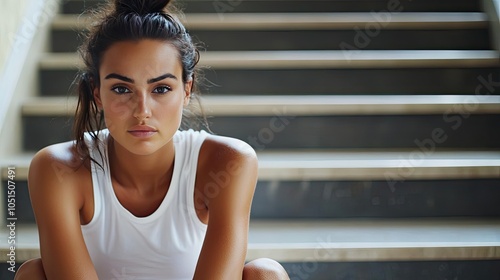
120,90
161,89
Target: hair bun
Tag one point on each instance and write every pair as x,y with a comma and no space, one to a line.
141,7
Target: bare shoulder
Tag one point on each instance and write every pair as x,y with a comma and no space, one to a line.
58,159
226,178
55,167
223,150
227,165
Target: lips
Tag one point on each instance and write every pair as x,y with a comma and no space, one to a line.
142,131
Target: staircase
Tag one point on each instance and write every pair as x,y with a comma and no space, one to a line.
377,127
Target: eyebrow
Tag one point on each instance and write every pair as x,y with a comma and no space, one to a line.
164,76
129,80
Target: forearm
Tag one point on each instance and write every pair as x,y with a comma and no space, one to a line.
222,257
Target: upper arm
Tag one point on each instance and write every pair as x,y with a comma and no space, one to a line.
56,202
228,190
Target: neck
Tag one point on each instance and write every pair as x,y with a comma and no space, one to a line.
144,173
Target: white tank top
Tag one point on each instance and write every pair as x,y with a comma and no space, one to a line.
163,245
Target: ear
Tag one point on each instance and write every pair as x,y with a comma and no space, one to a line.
187,90
97,97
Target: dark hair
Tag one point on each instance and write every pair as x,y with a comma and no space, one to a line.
125,20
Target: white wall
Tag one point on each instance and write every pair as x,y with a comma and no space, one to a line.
24,27
11,13
492,9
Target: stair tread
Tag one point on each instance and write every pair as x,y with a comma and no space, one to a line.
401,232
347,240
308,105
395,166
326,156
360,165
319,59
294,21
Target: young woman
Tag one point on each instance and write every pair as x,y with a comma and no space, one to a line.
142,199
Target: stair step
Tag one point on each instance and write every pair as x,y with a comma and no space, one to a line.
356,184
307,31
308,21
331,122
354,165
326,72
318,59
359,198
408,270
457,130
345,240
376,240
382,81
304,105
323,165
224,7
256,40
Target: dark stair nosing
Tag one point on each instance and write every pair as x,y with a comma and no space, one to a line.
319,59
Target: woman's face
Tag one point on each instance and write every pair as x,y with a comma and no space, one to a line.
142,94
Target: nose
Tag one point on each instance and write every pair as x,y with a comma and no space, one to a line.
142,109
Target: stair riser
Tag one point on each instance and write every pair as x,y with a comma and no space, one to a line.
350,81
351,199
219,40
414,270
322,132
23,209
226,6
323,81
34,136
376,199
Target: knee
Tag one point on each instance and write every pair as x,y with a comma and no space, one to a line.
264,269
32,270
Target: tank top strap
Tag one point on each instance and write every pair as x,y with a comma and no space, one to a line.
99,166
190,143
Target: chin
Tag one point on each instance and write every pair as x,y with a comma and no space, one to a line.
141,145
144,148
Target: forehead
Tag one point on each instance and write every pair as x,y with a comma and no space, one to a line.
143,58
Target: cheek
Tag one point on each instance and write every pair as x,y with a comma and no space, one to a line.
168,110
117,109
